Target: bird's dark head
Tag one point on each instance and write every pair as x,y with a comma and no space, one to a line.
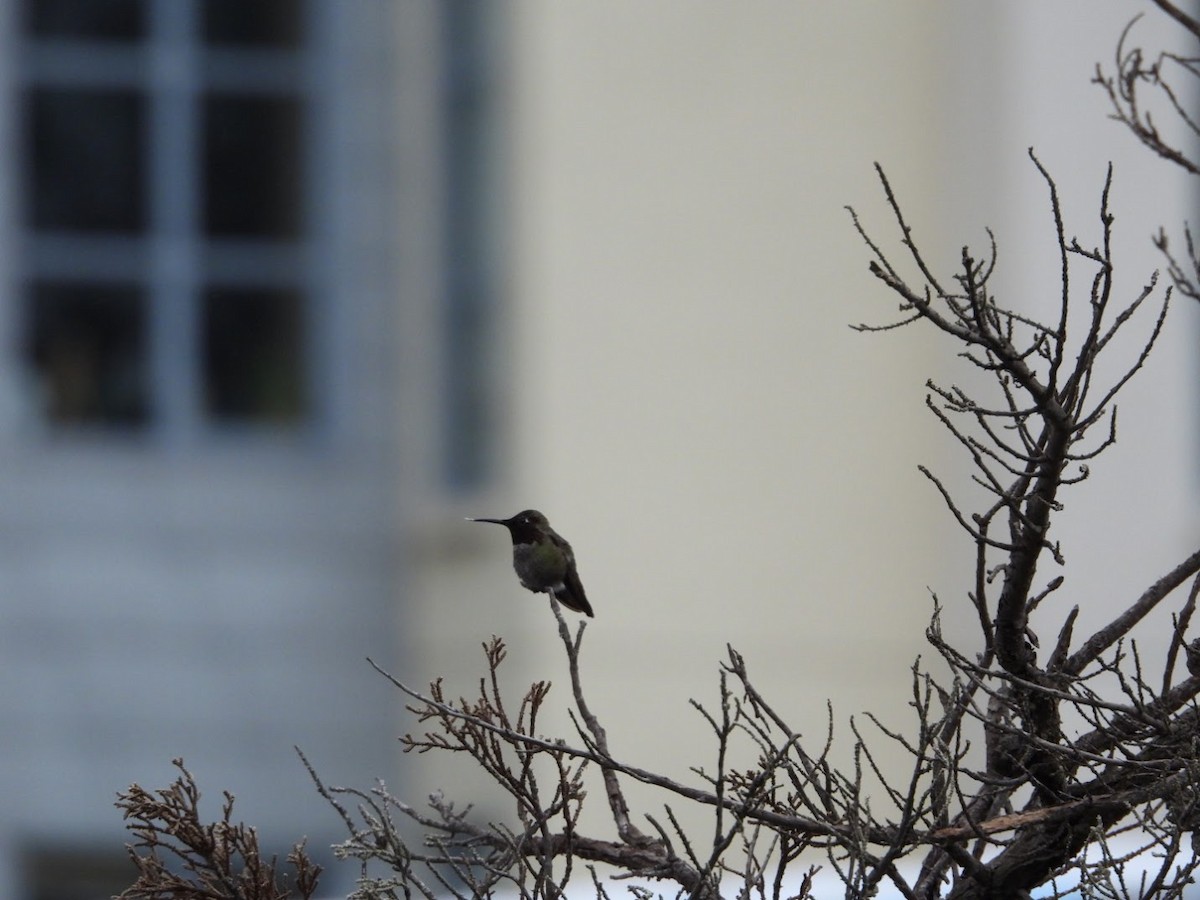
527,527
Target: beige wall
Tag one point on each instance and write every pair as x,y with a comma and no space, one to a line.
731,462
704,427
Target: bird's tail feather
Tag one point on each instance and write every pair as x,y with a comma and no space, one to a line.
573,600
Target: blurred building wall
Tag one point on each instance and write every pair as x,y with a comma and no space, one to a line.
590,257
681,393
199,409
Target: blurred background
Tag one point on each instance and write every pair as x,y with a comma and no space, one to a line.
290,287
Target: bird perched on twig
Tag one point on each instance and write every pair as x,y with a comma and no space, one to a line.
544,561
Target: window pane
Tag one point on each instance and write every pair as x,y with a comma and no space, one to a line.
253,354
84,148
86,344
263,23
120,20
73,873
252,177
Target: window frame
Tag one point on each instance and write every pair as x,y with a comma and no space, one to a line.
174,260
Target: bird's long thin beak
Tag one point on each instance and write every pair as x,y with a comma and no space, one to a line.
493,521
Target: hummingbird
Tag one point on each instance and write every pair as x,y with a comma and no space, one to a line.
544,561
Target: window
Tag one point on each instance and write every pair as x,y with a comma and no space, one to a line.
88,341
166,285
252,344
74,873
